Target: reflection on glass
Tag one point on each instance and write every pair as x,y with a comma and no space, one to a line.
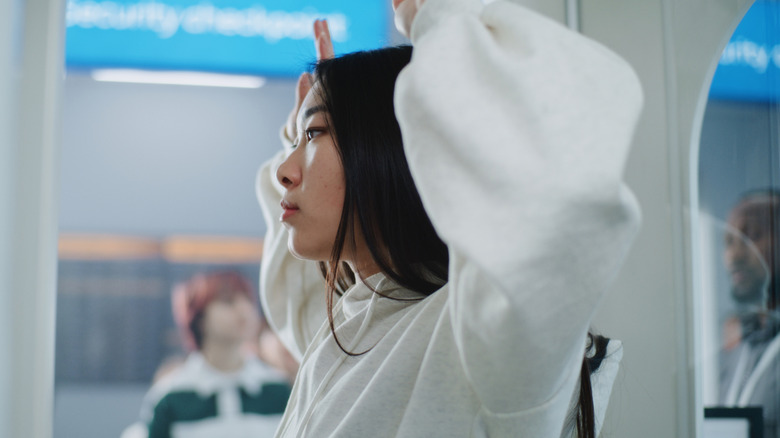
739,223
741,333
749,345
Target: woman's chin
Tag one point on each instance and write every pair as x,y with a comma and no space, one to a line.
304,253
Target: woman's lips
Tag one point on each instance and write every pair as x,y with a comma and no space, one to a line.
288,209
287,213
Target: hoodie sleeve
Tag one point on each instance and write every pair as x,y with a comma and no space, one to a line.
292,291
516,130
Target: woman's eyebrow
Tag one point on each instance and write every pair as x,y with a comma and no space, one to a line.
313,110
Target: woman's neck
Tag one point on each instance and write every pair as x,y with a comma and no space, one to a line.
363,263
366,271
360,259
225,357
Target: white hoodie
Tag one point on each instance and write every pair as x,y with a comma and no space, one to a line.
516,131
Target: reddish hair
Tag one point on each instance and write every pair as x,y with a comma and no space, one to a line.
190,299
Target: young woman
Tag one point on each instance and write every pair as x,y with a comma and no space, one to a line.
466,244
221,389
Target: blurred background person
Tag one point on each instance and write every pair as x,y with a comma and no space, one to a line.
750,360
222,389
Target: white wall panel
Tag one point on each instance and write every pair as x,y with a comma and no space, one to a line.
31,40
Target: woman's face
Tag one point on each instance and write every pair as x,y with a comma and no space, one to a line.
230,320
313,179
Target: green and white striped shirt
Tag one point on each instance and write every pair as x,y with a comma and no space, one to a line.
200,401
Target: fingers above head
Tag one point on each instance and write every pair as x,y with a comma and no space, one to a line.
322,41
326,30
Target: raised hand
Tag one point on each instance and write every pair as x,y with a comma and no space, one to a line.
322,42
324,48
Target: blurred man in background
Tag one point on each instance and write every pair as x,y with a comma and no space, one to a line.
750,362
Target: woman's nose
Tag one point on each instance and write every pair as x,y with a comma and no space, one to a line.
288,173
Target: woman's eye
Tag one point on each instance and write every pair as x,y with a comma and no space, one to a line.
311,133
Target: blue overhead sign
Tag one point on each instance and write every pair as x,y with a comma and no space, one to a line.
749,68
267,37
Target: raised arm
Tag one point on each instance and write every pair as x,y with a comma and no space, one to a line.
516,131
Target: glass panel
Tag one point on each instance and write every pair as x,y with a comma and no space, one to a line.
739,229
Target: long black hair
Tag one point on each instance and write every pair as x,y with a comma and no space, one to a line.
381,200
595,352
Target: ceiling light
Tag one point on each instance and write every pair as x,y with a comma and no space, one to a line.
177,78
